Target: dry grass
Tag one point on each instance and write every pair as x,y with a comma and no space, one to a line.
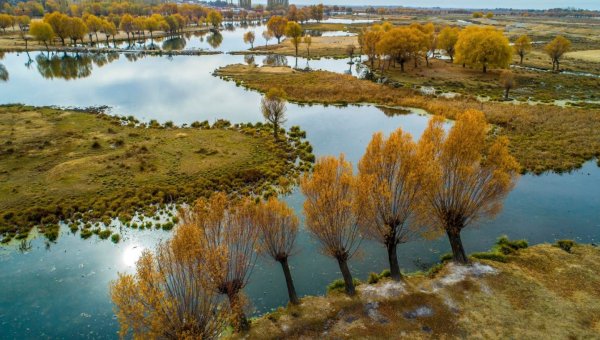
82,167
542,292
543,137
321,47
586,55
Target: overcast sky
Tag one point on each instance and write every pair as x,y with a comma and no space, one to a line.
522,4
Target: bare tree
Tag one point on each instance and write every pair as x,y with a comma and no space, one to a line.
273,109
508,82
278,230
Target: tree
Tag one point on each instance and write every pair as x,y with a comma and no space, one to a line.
483,47
76,29
556,49
215,18
278,230
477,15
277,25
508,82
153,24
267,35
399,45
350,51
522,46
42,32
330,210
489,15
109,29
308,42
249,38
273,109
5,21
368,40
447,40
464,177
60,25
94,24
172,294
229,226
294,32
389,185
126,24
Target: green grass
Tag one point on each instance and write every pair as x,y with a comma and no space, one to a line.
79,166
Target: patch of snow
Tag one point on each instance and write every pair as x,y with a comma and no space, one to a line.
419,312
386,290
460,272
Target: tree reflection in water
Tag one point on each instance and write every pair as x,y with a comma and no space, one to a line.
275,60
174,44
67,66
215,39
3,73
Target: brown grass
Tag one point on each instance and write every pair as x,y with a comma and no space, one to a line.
543,137
321,47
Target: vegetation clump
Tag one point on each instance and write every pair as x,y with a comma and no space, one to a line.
339,285
565,245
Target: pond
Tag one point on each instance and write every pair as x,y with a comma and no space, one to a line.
61,291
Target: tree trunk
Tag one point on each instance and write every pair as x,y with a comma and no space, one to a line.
289,281
347,276
521,59
393,259
484,68
243,323
402,66
506,94
458,252
276,129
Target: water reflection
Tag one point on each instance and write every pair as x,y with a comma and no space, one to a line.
275,60
215,39
3,73
68,66
174,44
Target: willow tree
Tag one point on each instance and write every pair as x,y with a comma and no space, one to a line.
293,31
231,226
171,295
330,210
465,177
556,49
249,38
277,25
278,230
522,46
42,32
273,109
447,40
389,183
483,47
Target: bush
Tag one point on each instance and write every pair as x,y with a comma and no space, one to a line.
373,278
116,238
565,245
507,247
339,285
446,257
86,233
385,273
167,226
104,234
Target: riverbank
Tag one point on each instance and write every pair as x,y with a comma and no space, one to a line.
321,47
543,137
538,293
91,170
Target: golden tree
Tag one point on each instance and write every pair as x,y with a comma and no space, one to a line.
447,40
308,42
522,46
465,176
483,47
231,226
273,109
42,32
508,82
330,210
388,187
126,24
215,18
556,49
293,30
368,40
278,230
171,294
277,25
249,38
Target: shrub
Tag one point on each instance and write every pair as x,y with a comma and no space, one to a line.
96,145
86,233
565,245
507,247
104,234
373,278
385,273
339,285
116,238
490,255
446,257
167,226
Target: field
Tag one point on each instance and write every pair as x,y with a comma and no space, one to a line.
90,168
543,137
321,47
541,292
585,55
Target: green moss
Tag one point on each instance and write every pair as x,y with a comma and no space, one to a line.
339,285
115,238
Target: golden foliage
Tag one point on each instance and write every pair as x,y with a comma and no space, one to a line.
278,228
522,46
172,293
447,40
556,49
482,46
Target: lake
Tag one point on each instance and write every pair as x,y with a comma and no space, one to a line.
61,290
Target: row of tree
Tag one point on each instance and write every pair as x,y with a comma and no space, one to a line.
475,46
192,286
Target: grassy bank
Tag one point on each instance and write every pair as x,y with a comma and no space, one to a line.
332,47
541,292
90,168
543,137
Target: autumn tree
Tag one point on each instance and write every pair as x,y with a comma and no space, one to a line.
330,210
60,25
42,32
508,82
277,26
556,49
109,29
465,177
483,47
447,40
522,46
294,32
389,185
77,29
278,230
126,24
153,24
6,21
229,225
308,42
249,38
273,109
172,293
399,45
368,40
94,24
350,51
215,18
267,35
